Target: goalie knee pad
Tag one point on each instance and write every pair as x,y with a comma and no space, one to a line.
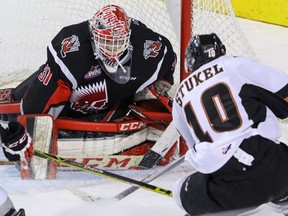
41,130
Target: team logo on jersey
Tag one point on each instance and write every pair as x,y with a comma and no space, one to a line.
90,98
70,44
93,72
226,149
151,48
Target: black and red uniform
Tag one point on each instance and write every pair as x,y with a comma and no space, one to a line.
72,82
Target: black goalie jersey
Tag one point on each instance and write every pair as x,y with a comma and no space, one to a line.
73,79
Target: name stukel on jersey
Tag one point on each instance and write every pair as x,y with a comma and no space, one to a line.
196,80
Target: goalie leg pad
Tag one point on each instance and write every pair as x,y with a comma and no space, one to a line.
41,130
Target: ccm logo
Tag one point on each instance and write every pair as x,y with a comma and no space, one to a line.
108,162
132,126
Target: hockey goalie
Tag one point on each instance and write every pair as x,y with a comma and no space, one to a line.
104,85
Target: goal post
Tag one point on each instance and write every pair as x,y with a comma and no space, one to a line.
186,32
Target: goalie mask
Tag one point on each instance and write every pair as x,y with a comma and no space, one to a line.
203,49
110,28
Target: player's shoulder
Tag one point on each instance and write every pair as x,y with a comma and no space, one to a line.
70,45
79,31
82,26
236,61
141,32
70,39
136,24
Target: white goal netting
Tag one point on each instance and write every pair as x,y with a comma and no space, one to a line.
218,16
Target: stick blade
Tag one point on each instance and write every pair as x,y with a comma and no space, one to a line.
150,159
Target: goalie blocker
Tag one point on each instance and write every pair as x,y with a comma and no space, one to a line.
19,143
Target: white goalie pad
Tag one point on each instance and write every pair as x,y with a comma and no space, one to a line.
74,147
40,129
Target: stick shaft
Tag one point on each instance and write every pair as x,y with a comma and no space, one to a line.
103,173
150,178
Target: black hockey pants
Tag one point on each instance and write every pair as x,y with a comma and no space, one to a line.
236,185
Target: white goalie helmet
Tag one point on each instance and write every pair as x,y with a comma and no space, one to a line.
110,28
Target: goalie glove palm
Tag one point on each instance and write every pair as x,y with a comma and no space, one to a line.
16,142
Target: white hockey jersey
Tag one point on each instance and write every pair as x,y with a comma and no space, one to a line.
225,101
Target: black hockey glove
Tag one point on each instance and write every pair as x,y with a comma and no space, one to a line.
16,142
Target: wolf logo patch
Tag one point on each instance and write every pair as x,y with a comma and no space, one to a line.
151,48
70,44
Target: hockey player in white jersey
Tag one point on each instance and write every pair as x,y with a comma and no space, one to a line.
227,111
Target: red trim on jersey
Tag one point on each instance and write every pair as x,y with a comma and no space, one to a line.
61,95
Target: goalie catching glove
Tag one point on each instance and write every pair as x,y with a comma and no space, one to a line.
16,142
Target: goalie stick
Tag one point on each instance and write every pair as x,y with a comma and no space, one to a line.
90,198
167,139
161,147
6,162
103,173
